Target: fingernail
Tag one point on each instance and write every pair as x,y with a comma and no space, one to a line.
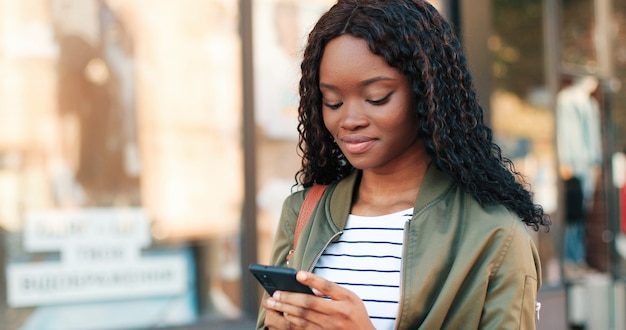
276,295
271,302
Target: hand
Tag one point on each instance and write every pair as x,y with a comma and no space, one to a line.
289,310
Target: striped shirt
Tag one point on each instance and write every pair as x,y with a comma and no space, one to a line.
367,260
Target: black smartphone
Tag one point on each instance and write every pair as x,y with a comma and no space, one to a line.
274,278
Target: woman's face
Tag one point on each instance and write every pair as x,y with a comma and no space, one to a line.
367,107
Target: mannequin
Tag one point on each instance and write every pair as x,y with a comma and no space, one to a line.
580,155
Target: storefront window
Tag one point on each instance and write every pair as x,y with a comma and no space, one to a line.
521,112
120,163
578,35
588,97
617,85
536,121
280,32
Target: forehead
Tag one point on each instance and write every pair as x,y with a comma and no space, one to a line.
349,56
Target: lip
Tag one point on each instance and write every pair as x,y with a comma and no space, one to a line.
357,144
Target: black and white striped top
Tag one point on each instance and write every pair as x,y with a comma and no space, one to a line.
367,260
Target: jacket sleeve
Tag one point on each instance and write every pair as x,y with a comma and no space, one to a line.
283,239
513,285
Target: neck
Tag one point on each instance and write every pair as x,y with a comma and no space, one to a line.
384,193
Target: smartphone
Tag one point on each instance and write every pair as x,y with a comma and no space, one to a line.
274,278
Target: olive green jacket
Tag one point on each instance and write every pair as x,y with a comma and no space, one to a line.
464,266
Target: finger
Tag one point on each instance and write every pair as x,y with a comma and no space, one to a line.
322,286
302,310
300,323
295,321
290,303
275,320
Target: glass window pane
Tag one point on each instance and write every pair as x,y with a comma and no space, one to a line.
120,163
280,32
521,116
618,120
577,35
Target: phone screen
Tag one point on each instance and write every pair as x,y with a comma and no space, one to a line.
274,278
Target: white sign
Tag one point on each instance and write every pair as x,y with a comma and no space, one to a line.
61,230
35,284
100,259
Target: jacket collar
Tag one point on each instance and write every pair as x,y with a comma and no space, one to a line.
434,185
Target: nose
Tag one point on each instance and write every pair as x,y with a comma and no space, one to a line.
353,116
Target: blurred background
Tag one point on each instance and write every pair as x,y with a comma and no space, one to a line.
146,147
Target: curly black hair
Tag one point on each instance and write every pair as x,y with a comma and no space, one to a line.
416,40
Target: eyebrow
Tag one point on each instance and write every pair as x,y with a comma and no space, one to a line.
362,83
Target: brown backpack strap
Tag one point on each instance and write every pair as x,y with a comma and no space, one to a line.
310,201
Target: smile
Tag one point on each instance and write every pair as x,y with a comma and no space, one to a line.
357,144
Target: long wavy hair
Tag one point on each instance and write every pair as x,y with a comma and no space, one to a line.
415,39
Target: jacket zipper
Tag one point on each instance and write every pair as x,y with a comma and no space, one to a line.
402,272
332,238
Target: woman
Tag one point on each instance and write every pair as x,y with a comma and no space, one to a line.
423,221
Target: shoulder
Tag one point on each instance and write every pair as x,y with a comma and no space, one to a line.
493,227
295,200
293,203
496,221
511,243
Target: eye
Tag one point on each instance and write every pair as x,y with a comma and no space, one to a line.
333,106
380,101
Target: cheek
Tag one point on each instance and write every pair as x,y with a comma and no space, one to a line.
398,118
402,126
